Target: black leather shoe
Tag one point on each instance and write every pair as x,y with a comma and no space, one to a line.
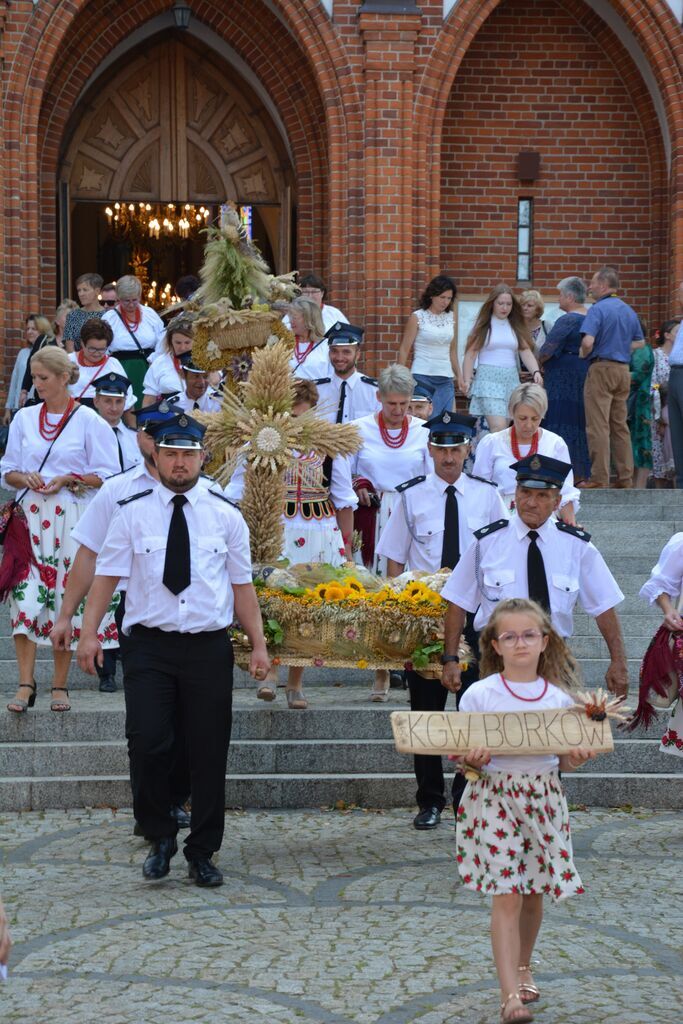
107,684
204,872
397,681
137,830
429,817
158,860
181,816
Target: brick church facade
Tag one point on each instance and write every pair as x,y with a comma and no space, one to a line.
382,140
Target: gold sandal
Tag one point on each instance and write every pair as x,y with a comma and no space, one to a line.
528,988
526,1018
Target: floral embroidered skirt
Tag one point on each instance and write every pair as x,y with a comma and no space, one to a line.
672,740
313,540
35,602
491,390
513,837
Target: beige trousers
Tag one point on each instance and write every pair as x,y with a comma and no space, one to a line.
605,395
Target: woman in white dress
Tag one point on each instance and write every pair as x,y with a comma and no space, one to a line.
138,331
93,362
496,452
165,376
430,332
310,358
53,496
318,520
499,338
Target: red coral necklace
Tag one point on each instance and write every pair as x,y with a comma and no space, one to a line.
300,356
47,430
393,442
514,444
529,700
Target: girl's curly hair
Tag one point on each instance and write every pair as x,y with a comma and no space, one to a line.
557,664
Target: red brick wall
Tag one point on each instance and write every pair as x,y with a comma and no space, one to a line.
534,79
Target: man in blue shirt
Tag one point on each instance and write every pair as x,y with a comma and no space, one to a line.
609,330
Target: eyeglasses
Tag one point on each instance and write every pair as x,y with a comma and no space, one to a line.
94,351
108,302
528,638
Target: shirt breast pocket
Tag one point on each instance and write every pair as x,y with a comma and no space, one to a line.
211,554
150,556
565,590
498,584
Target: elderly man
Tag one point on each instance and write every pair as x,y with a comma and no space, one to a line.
609,330
429,529
537,557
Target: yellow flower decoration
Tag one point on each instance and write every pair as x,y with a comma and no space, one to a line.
361,663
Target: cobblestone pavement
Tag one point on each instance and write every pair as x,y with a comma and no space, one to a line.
336,917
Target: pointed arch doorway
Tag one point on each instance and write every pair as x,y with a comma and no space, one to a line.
173,124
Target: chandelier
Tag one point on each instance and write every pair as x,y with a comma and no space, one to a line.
179,220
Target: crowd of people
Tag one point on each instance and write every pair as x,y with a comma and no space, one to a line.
117,541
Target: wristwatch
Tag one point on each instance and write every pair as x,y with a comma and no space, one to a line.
445,658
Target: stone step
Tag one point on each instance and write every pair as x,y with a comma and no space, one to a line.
365,789
293,757
587,647
658,511
633,496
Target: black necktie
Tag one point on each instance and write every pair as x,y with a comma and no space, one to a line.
342,398
177,563
536,578
195,406
118,445
450,554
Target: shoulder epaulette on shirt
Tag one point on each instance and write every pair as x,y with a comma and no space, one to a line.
485,531
410,483
369,380
481,479
575,531
323,380
217,494
121,472
134,497
207,476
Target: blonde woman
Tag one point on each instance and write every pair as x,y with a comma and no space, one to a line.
310,358
165,376
500,337
41,332
58,453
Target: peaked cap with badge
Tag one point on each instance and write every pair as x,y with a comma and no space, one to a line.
541,472
451,429
344,334
164,409
114,384
178,432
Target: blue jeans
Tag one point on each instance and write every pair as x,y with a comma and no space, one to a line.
441,391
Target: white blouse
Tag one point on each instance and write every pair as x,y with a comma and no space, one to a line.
86,445
83,388
387,467
162,378
150,332
315,365
493,458
501,345
432,345
667,575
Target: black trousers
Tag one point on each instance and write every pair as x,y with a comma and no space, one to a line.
430,695
190,675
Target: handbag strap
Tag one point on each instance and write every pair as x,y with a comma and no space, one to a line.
47,453
140,348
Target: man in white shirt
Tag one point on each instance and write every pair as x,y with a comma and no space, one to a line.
110,400
347,394
184,550
197,396
431,527
534,556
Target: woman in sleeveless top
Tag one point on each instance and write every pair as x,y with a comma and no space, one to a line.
430,333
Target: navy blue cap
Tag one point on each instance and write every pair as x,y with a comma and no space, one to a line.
344,334
420,395
164,409
185,361
111,384
450,429
178,432
541,471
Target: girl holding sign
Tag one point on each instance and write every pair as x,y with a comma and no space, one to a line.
513,837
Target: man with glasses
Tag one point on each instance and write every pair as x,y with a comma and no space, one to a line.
313,288
538,557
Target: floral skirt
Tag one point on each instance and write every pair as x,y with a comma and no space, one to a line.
513,837
35,602
313,540
672,740
491,390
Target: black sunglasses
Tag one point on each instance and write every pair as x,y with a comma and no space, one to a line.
109,302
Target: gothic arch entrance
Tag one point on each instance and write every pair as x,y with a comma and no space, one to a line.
174,124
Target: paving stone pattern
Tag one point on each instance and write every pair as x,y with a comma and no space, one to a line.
334,917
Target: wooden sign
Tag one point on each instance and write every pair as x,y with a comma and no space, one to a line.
505,732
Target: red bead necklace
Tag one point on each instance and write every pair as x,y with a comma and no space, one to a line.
393,442
529,700
300,357
514,444
132,321
47,430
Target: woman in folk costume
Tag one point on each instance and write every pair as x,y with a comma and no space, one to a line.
394,448
58,453
318,519
661,673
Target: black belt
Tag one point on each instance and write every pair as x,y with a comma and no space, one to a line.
138,354
154,631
